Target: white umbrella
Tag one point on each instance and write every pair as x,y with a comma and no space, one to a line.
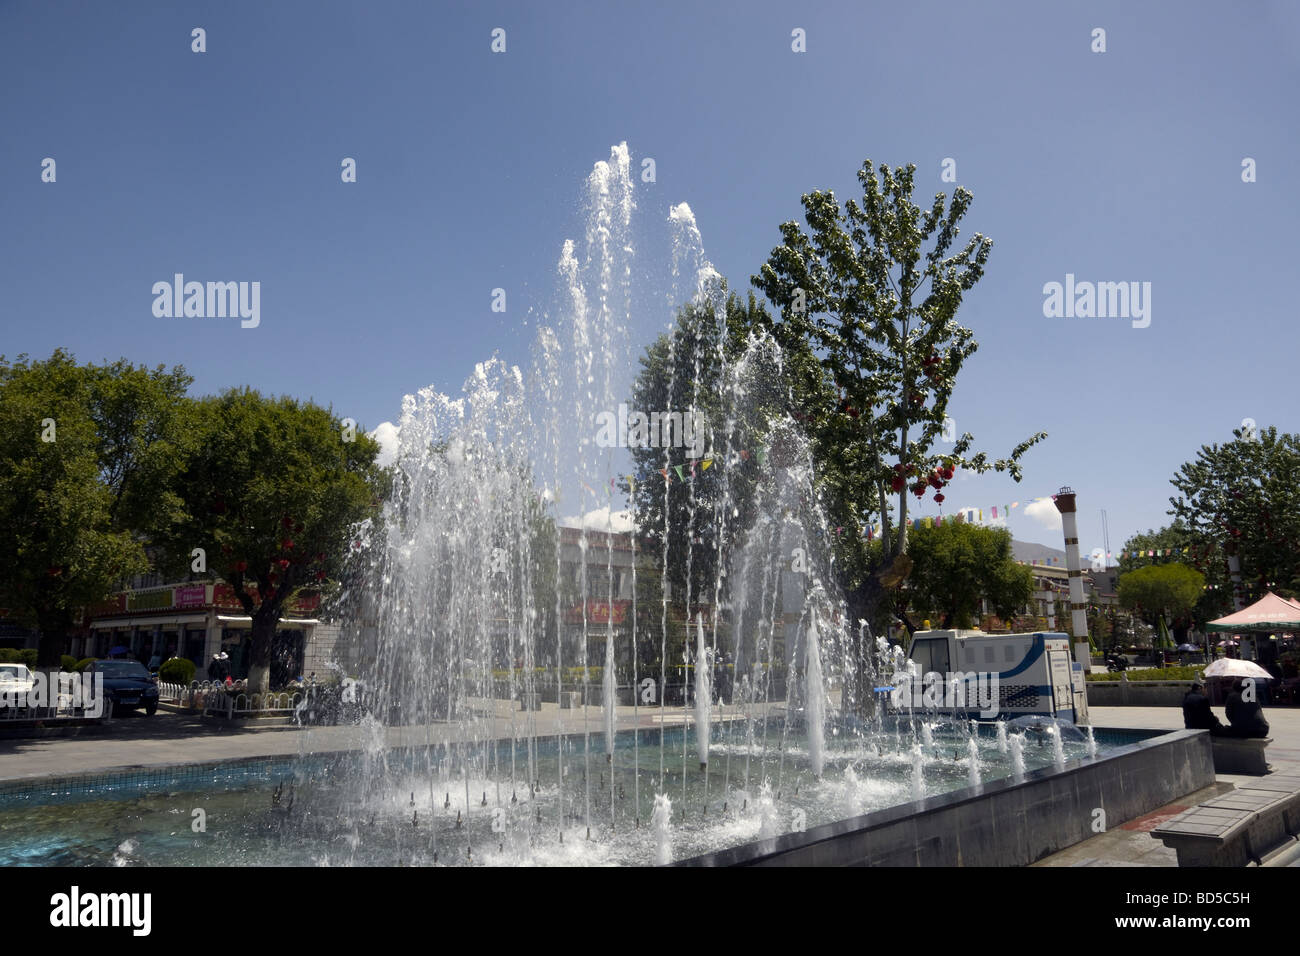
1231,667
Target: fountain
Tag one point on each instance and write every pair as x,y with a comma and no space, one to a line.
499,564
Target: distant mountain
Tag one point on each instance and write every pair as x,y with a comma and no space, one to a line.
1029,552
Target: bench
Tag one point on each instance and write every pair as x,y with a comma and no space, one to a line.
1240,755
1238,828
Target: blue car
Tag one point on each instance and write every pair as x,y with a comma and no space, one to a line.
127,685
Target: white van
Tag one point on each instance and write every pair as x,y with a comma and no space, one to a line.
1034,672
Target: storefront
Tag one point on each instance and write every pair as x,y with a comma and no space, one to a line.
196,621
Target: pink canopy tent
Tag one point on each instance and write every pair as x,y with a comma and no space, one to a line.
1269,613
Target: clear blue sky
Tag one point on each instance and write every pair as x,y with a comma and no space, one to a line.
1115,166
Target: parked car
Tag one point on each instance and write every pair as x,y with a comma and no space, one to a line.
127,685
15,680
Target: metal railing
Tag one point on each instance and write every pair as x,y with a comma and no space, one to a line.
214,697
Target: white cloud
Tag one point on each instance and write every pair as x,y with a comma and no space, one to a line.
386,435
1044,514
600,519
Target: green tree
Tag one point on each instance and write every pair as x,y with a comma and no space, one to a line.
1243,497
275,493
1167,591
694,368
1176,542
87,454
955,566
854,290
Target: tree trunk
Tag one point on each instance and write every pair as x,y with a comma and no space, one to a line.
259,651
53,627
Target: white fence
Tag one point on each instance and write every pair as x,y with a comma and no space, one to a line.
212,697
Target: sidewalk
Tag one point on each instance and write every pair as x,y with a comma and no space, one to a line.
135,740
1131,843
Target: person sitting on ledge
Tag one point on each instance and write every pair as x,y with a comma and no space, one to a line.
1245,717
1196,711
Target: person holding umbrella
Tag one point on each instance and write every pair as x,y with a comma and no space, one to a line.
1245,716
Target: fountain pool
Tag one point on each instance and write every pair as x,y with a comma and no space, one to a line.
305,810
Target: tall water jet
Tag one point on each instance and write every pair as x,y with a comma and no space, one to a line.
1017,744
973,752
814,699
1002,736
766,812
661,821
1058,747
703,693
918,773
1092,743
609,688
927,733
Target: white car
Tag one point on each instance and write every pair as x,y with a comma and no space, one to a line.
15,680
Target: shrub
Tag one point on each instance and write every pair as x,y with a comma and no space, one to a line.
11,655
177,670
81,664
1153,673
68,663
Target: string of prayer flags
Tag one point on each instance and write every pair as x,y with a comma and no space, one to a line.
759,455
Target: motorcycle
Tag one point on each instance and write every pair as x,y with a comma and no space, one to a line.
1115,663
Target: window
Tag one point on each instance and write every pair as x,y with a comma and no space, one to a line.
988,654
1009,653
931,655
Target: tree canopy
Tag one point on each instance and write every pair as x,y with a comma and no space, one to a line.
853,292
955,566
275,492
1165,590
87,456
1244,497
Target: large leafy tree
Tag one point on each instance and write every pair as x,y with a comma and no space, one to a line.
872,290
275,492
87,456
1243,497
1176,542
955,566
1168,591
